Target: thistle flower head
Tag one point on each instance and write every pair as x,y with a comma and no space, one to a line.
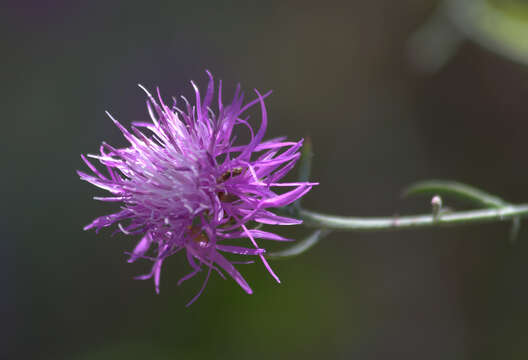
184,183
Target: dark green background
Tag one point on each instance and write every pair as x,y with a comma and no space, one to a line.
340,75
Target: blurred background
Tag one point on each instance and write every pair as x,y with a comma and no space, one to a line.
353,76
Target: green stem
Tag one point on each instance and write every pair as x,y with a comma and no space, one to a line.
301,246
456,190
333,222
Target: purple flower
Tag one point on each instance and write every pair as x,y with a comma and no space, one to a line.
184,184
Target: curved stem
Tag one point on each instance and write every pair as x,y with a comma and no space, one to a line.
508,212
457,190
301,246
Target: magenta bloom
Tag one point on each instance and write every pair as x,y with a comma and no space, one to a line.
184,184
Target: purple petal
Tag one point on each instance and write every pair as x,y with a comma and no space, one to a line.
240,250
266,217
258,234
188,276
230,269
264,261
141,248
201,289
286,198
